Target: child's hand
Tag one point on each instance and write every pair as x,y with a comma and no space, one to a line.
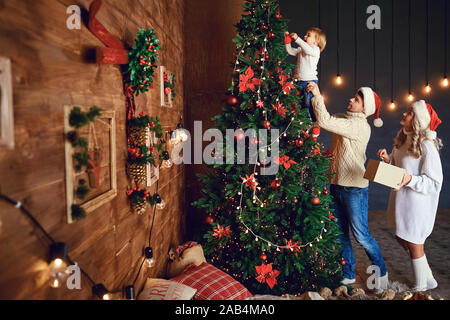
286,33
294,36
406,179
313,88
383,155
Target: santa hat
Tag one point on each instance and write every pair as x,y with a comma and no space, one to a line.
372,104
427,117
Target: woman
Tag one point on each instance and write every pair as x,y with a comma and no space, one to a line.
412,209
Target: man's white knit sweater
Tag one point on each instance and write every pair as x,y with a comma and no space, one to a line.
351,134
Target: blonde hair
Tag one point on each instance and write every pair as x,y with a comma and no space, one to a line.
418,136
321,38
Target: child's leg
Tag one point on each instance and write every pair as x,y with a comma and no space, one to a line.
423,275
308,104
403,243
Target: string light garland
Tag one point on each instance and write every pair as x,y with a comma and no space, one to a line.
410,95
338,75
427,48
392,105
445,80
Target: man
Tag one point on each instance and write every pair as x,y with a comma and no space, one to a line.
351,134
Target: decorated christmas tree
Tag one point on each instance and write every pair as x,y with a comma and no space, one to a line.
273,231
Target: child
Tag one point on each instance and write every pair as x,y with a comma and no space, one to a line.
350,191
412,209
308,55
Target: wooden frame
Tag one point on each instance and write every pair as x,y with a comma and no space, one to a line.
164,102
152,170
6,105
105,197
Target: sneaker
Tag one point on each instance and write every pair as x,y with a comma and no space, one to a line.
347,281
383,282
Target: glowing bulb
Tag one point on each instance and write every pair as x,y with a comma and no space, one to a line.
55,283
428,88
338,80
445,82
106,296
410,97
167,163
150,263
392,105
57,262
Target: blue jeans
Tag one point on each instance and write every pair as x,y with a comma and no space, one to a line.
306,103
350,206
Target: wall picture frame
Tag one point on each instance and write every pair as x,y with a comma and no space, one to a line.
105,137
6,105
152,169
166,99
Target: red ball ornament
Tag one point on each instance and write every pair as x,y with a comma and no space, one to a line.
271,34
315,132
343,262
267,124
299,142
264,27
275,184
266,57
314,139
263,257
232,101
325,191
316,150
295,200
278,16
315,201
209,220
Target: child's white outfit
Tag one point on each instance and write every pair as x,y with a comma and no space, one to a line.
412,209
307,60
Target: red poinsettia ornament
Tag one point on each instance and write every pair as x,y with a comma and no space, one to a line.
265,274
221,232
250,181
246,81
284,161
280,109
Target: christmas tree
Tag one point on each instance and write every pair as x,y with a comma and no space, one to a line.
275,233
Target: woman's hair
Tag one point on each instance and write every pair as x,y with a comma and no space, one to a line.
321,38
417,138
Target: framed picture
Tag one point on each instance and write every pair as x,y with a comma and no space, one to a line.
101,177
152,169
166,96
6,105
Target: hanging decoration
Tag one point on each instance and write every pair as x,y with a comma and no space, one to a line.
142,62
410,95
338,75
392,105
445,80
427,48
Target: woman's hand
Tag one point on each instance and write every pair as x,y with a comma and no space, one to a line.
313,88
294,36
383,155
406,179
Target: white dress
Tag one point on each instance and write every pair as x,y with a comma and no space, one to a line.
412,209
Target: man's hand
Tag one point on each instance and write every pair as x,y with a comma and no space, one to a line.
294,36
383,155
313,88
406,179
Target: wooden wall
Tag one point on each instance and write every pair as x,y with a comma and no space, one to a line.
52,67
209,54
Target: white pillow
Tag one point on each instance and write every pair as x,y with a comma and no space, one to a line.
161,289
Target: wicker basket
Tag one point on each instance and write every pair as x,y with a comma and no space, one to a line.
138,172
139,208
139,136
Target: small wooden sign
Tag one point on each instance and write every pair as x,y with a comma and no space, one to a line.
166,99
105,136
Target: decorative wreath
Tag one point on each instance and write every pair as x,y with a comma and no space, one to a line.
142,61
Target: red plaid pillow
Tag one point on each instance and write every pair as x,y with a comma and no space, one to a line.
212,283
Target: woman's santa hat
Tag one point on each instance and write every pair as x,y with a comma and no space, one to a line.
427,117
372,104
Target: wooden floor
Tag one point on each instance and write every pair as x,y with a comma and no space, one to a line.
398,262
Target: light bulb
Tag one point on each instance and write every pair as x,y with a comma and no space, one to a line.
167,163
338,80
150,263
410,97
392,105
184,137
445,82
161,205
428,88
